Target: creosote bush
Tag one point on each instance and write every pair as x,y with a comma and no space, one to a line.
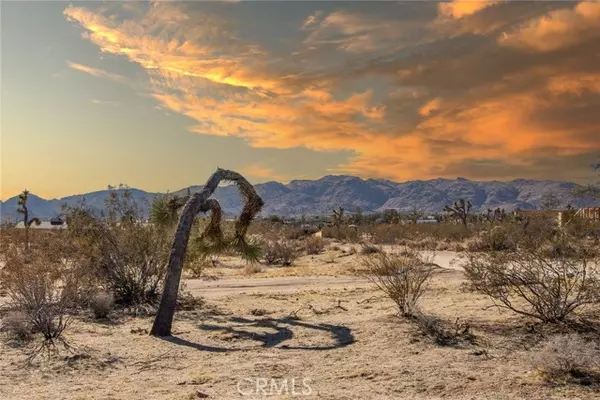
283,252
535,282
568,359
403,278
127,257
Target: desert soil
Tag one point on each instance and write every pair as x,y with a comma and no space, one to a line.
314,324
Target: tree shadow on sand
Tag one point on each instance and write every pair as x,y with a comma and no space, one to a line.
280,331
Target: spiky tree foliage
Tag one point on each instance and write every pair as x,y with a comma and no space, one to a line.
460,210
212,238
164,212
22,202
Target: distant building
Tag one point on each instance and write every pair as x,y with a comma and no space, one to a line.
592,213
43,225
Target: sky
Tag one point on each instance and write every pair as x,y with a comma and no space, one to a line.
157,95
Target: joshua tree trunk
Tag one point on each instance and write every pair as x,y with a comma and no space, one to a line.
196,203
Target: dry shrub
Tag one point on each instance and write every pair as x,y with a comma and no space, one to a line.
252,268
422,236
497,238
568,359
314,245
343,233
295,233
403,278
16,327
282,252
45,284
531,282
102,304
129,258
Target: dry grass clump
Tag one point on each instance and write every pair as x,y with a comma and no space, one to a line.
252,268
102,304
367,249
283,252
535,283
403,278
568,359
443,333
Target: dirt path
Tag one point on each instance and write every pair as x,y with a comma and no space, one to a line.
291,284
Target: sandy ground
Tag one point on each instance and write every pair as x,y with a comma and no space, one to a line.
228,281
316,336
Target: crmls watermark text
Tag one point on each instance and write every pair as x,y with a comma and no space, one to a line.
274,387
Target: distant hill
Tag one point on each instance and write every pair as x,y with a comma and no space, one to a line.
319,197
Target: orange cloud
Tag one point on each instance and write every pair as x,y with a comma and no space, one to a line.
462,8
388,110
575,84
557,30
430,107
260,172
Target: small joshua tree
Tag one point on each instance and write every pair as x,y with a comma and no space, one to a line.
212,239
357,217
22,202
338,219
460,210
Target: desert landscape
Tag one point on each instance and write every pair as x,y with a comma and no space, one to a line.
344,200
363,313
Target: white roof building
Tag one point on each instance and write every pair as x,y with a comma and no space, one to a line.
43,225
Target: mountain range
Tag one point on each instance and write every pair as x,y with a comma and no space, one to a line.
321,196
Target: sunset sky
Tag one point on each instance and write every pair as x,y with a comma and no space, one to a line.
157,95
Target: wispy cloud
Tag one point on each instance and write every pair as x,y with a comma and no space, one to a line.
106,102
98,73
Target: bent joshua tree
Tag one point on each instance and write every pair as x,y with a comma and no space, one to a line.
213,235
